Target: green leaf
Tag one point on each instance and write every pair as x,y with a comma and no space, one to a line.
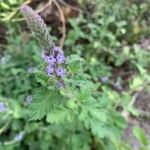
118,120
98,114
42,78
74,63
77,142
44,102
97,129
140,135
59,116
136,83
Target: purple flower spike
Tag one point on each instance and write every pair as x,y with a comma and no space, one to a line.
57,49
51,60
60,58
19,137
50,70
38,27
2,107
60,72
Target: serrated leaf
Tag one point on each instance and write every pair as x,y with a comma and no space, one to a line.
118,120
98,129
42,78
77,142
59,116
74,63
96,113
44,102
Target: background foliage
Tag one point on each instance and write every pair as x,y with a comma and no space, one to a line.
112,38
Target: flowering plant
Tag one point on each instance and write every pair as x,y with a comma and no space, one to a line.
67,97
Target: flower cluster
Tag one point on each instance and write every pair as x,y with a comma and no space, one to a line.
19,136
52,55
2,107
29,99
55,62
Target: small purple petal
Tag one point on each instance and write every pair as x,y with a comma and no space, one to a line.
60,72
50,70
29,99
60,58
24,8
19,136
2,107
104,79
59,84
51,60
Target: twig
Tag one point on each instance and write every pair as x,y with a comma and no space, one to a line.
63,22
4,127
72,7
134,99
13,13
7,143
45,6
27,2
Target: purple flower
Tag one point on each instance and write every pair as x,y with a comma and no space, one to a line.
60,72
59,84
2,107
19,136
60,58
57,49
51,60
50,70
29,99
104,79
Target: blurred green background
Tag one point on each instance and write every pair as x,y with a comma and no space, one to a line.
114,38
